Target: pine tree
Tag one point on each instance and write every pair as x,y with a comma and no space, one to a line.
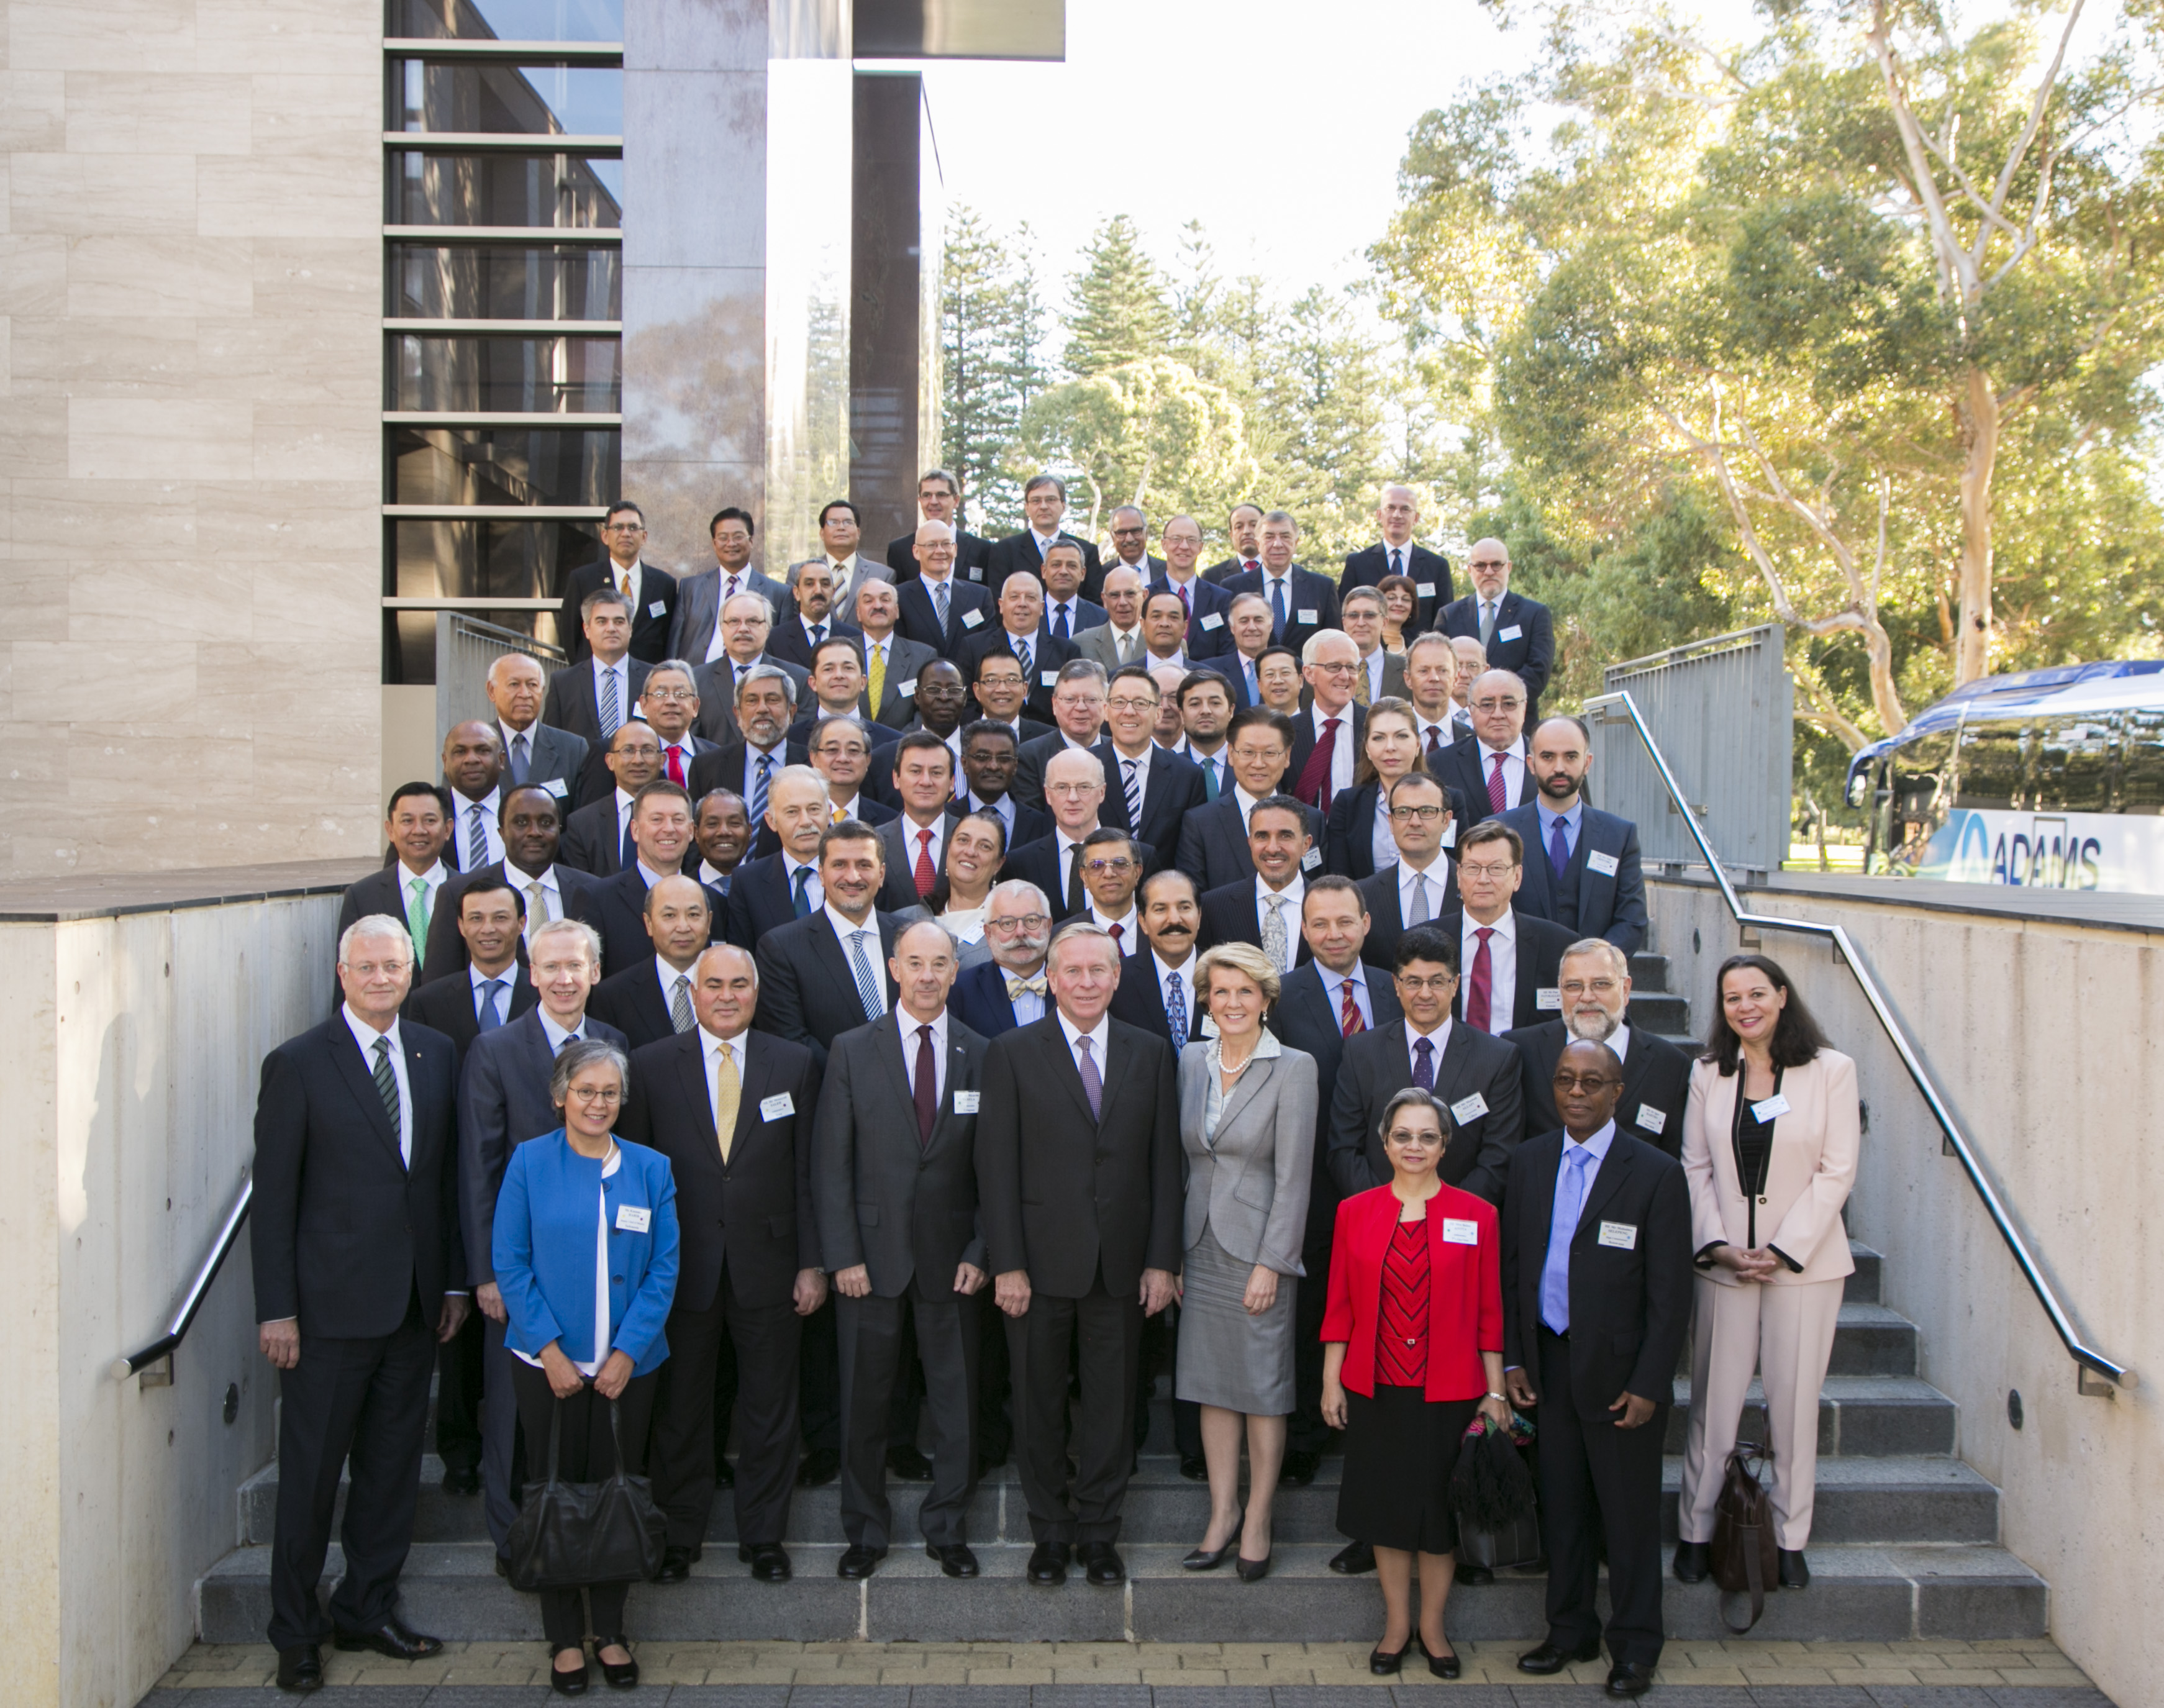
1119,311
989,337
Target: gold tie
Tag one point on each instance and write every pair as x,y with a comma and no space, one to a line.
878,676
537,909
727,1092
623,582
1360,686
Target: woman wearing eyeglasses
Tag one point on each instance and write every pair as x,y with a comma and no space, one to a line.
585,1247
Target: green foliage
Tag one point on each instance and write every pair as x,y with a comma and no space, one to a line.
1120,313
991,340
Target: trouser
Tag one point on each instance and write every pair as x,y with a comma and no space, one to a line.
994,1381
767,1338
873,1336
819,1382
1785,1331
358,1403
587,1453
459,1396
725,1396
1599,1482
500,1470
1108,1329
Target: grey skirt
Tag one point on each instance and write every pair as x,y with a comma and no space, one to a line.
1226,1357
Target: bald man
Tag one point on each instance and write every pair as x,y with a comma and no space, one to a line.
945,601
939,499
1398,516
1517,633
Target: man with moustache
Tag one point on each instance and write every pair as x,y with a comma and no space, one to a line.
1265,910
766,701
747,624
1244,528
696,632
1595,984
990,758
771,890
819,614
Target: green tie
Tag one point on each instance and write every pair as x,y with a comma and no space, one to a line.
417,912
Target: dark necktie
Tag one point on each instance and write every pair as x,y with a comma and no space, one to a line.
490,1017
1397,561
927,1088
1022,654
1559,853
818,633
803,882
1074,891
1423,1064
1175,1010
1499,791
1209,778
386,1087
1350,1020
1434,744
1314,786
1479,989
1277,608
1059,627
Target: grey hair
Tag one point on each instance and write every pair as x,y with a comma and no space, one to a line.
1429,637
1410,1097
945,930
1321,637
1618,962
590,940
509,658
1018,887
768,673
795,774
373,925
576,1057
1077,931
1074,670
1282,516
765,610
676,667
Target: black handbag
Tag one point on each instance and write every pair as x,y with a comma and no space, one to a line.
568,1535
1491,1492
1745,1556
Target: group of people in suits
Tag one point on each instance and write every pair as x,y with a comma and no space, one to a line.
965,980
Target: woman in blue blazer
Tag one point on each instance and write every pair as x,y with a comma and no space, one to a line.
585,1253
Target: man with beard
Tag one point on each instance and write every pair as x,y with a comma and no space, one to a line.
766,701
1596,982
1582,867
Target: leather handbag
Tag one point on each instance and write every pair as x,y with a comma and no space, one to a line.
1744,1555
568,1535
1491,1492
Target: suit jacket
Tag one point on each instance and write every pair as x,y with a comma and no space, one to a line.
899,891
1248,1184
1808,1176
1630,1306
902,1206
447,954
807,990
448,1007
1039,863
1173,790
790,644
1656,1081
972,551
1377,1065
699,609
1138,999
503,1102
1531,652
1540,944
724,769
570,705
616,908
920,618
906,659
1030,759
1463,772
383,891
1308,1021
650,624
1232,667
1018,551
1048,653
1386,915
1429,572
755,1211
1086,615
631,1001
979,1000
717,683
1218,574
1304,744
760,900
1100,642
1347,840
1067,1195
1587,903
1394,679
347,1230
1309,592
556,757
591,843
1213,844
1204,599
1230,915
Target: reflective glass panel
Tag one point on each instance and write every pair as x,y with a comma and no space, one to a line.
430,188
485,558
503,282
556,375
503,465
506,20
429,95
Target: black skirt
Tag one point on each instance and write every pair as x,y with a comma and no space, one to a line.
1400,1449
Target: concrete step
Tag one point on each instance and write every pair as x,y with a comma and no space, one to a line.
1869,1340
1859,1417
1858,1593
1668,1016
1649,974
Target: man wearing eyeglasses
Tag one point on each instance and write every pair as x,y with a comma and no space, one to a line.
1328,735
1487,767
1073,791
1147,789
1421,885
1517,633
652,592
1009,989
1595,984
1109,873
1511,959
670,705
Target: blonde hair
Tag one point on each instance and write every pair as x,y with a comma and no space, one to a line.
1241,958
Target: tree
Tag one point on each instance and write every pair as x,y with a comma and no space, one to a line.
1120,313
991,359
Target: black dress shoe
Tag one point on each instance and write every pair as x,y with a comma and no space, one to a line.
676,1564
1384,1664
570,1684
391,1638
820,1466
858,1562
768,1562
618,1678
725,1474
1693,1562
1202,1560
1252,1571
1352,1559
907,1462
1629,1678
1194,1468
1472,1577
1048,1564
503,1565
1101,1564
1443,1666
955,1558
1548,1658
1299,1470
1794,1573
300,1668
461,1480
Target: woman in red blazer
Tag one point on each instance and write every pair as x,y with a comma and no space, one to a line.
1412,1337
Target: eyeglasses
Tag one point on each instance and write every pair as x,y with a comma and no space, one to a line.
1579,987
1031,923
1582,1082
1131,703
1442,983
1490,563
1421,815
1336,670
585,1094
1511,704
1494,874
1104,868
672,694
623,528
369,969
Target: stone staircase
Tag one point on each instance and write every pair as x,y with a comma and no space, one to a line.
1906,1545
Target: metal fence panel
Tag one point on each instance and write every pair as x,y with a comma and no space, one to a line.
1723,711
466,647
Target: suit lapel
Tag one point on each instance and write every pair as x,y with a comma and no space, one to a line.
360,1080
886,1044
1244,1092
1615,1170
1061,1062
691,1082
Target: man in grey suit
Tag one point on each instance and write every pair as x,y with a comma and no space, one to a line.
894,1177
702,598
892,662
747,625
533,751
1118,640
503,1102
1382,673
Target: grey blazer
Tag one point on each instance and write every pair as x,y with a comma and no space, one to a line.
557,756
1251,1187
699,608
1101,644
906,659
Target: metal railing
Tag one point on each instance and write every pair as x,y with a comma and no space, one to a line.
2085,1357
184,1313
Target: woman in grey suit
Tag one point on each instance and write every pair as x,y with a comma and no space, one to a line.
1247,1124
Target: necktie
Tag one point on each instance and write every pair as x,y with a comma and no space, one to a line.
1019,987
728,1092
1249,566
675,764
1254,686
1397,561
1209,779
476,839
386,1087
1423,1064
1182,591
729,592
1480,988
926,877
1075,892
761,772
1134,792
537,906
680,1005
1499,791
1360,685
612,706
867,987
1029,661
490,1018
1559,853
1118,934
1093,1087
1060,628
1487,621
1274,930
1314,785
1418,913
417,912
944,600
802,900
623,582
520,756
1434,743
877,675
926,1089
1569,1205
818,633
1277,607
1175,1010
1350,1020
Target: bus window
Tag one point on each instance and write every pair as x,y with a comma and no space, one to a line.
1916,785
1992,773
2142,761
2074,765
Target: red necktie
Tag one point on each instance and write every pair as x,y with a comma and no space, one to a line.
1118,935
1348,1014
1499,797
1314,786
1480,988
927,1088
676,764
1434,741
924,875
1182,591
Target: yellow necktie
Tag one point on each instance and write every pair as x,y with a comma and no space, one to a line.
1360,686
878,676
727,1092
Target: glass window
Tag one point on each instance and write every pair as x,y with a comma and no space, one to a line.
504,281
429,95
506,20
575,192
488,557
2142,761
555,376
2074,765
1993,773
503,465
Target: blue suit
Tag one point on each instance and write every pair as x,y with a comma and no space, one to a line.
1590,903
1204,599
979,1000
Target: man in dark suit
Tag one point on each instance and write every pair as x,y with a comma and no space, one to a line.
1301,603
596,696
1138,771
1381,673
616,906
838,689
1328,734
1247,621
1001,692
894,1176
597,838
409,885
1130,531
1511,959
1022,632
1595,982
1582,866
1519,633
1213,838
766,708
503,1102
1244,528
1078,712
1477,1077
939,499
826,972
650,998
1078,1171
749,1268
1596,1301
892,662
473,767
669,705
650,593
1207,603
944,600
1487,767
700,599
770,891
1157,991
1398,516
747,625
1265,910
532,752
1075,791
722,828
1067,613
1008,991
914,845
1044,502
1421,886
359,1273
840,746
815,619
530,821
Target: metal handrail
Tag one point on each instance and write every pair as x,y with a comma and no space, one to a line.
2082,1354
184,1313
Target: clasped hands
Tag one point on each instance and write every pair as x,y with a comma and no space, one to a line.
1747,1264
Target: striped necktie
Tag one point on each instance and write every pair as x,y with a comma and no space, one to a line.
386,1087
476,839
868,985
612,705
1134,795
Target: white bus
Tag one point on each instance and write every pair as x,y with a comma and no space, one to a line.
2048,779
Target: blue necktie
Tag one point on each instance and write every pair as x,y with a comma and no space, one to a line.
1022,652
759,782
1424,1064
1569,1205
1210,780
1060,627
803,882
489,1018
1175,1010
1558,852
1278,606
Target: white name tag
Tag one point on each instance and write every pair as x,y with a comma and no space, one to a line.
1213,621
1310,861
631,1219
1768,1109
1304,615
1457,1232
973,619
1450,834
1050,679
1425,589
1547,997
976,572
658,609
1650,1119
1510,633
1467,1109
554,786
965,1102
907,690
1622,1235
774,1108
1601,862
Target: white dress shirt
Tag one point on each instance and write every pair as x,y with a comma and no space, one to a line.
1333,991
845,809
1131,934
1439,1038
1341,755
624,804
1164,973
1513,770
557,1037
1028,1008
1098,1036
1444,734
814,892
718,644
531,736
621,670
1055,609
1434,877
874,951
1063,847
779,752
1248,802
507,981
1045,542
462,829
708,874
936,847
1141,762
845,578
1618,1041
1502,963
364,1036
1382,846
910,1045
876,649
668,975
1289,900
434,878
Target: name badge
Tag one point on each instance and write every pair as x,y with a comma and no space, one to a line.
1425,589
1450,834
1304,615
1768,1109
1467,1109
972,619
1603,864
630,1218
660,607
554,786
907,690
1547,997
1050,679
1622,1235
1310,861
976,572
1214,620
1650,1119
965,1102
1457,1232
1510,633
774,1108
